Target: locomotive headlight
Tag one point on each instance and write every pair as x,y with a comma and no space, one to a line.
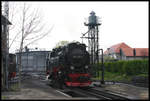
72,67
59,72
86,67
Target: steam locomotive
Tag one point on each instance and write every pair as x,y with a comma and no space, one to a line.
69,65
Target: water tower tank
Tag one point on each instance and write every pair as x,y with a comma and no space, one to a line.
92,18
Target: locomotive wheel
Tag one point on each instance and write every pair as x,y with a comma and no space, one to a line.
52,83
59,84
56,84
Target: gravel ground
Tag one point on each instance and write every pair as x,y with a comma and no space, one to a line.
34,89
131,91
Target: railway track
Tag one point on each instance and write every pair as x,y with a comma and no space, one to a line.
88,92
93,93
106,95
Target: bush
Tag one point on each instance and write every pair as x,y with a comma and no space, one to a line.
132,67
120,66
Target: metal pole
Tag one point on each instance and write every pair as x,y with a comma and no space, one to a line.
97,45
102,69
27,60
102,81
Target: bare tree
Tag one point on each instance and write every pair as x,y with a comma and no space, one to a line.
29,29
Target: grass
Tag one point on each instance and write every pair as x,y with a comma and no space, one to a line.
14,87
108,76
143,75
3,97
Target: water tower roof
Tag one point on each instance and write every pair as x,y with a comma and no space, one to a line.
92,13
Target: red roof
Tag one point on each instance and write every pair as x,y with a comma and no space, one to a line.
116,48
128,51
142,51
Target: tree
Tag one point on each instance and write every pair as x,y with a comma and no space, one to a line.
28,29
32,27
61,43
109,58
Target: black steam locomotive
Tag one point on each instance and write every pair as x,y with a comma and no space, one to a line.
69,65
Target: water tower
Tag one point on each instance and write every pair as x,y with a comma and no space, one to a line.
93,37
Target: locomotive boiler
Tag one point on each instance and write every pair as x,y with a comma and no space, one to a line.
69,65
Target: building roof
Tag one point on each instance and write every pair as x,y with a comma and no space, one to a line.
128,51
5,21
142,51
33,52
116,48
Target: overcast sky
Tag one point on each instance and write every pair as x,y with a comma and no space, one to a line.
121,22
